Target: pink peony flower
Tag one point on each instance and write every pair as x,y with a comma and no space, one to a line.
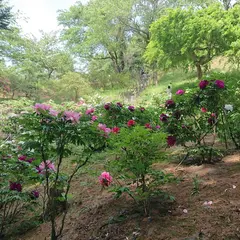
158,127
171,140
180,92
131,108
42,167
142,109
115,130
170,103
90,111
14,186
53,112
102,126
219,83
105,179
81,102
72,116
203,110
40,106
163,117
203,84
131,123
107,130
94,118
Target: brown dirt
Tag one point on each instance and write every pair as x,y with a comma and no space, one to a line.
92,209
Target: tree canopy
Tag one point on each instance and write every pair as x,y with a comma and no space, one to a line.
185,37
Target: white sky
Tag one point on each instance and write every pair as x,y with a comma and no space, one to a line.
40,14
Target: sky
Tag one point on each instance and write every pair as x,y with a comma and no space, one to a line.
40,14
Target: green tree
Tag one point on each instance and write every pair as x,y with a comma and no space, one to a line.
95,31
72,86
5,15
185,37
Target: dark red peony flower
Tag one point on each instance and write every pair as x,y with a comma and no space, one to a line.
14,186
171,140
34,194
131,108
119,104
148,125
107,106
163,117
170,103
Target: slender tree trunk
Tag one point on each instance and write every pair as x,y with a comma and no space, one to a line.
13,93
199,71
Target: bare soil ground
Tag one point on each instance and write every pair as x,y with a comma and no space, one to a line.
95,214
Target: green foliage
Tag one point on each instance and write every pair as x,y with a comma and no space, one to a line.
185,37
136,149
196,185
5,15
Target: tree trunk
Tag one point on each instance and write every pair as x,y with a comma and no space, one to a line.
199,71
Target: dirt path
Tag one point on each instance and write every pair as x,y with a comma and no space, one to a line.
96,215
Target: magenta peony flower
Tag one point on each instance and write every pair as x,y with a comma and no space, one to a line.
203,84
203,110
163,117
49,165
170,103
131,123
72,116
131,108
171,140
34,194
180,92
40,106
53,112
14,186
105,179
148,125
22,158
90,111
219,83
158,127
119,104
94,118
115,130
107,106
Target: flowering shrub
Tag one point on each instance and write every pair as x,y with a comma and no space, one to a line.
52,135
17,173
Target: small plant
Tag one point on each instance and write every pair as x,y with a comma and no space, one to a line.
137,149
196,185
